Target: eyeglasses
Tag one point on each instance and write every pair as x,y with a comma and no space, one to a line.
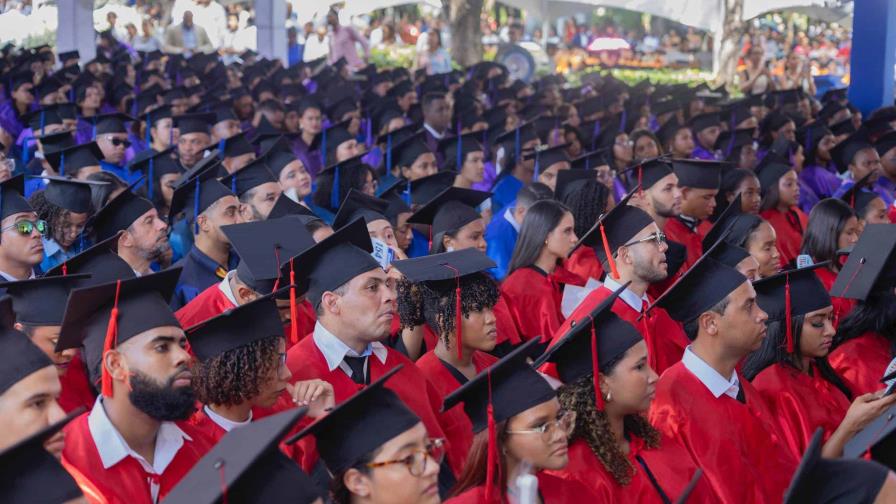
118,142
26,227
659,237
416,461
564,424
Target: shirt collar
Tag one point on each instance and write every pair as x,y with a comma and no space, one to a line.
508,216
433,132
51,247
630,298
225,423
224,286
113,448
10,278
335,350
715,382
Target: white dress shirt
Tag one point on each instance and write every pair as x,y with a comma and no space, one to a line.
434,133
225,423
335,350
630,298
715,382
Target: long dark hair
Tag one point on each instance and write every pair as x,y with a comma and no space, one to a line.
731,180
745,226
826,221
476,468
540,220
350,177
771,195
774,351
877,313
587,203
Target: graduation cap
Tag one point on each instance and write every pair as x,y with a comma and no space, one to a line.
286,206
19,79
591,344
455,149
616,228
792,293
70,194
394,195
335,260
698,173
422,190
885,143
870,267
727,254
703,121
32,474
41,301
104,316
69,160
858,197
667,131
730,141
65,56
700,288
724,224
844,152
100,263
737,112
838,94
155,165
22,356
569,181
194,123
196,194
407,151
332,137
545,157
505,389
343,441
118,214
11,199
648,172
237,145
43,117
111,123
593,159
249,177
450,210
666,106
769,171
844,127
515,138
357,204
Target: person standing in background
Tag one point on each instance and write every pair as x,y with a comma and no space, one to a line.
342,43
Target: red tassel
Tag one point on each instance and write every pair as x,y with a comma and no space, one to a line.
65,269
644,318
430,239
787,314
293,306
603,236
640,177
110,342
458,312
277,260
223,482
492,446
595,370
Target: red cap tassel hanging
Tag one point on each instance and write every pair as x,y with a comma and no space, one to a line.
603,237
458,312
110,342
65,269
293,306
595,370
640,177
492,447
787,314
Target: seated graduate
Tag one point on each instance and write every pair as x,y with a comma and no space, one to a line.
699,182
455,223
21,234
863,345
703,403
749,232
452,294
241,372
587,199
65,205
867,204
162,174
779,207
247,466
377,449
134,346
520,430
791,372
142,233
608,385
532,290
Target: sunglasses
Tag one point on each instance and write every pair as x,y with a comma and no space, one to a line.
26,227
118,142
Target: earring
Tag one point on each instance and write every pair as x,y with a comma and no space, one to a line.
609,397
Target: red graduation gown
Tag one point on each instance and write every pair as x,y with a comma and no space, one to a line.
861,362
533,300
842,306
800,403
584,263
214,432
305,361
553,490
126,482
736,444
670,464
454,422
203,422
789,229
677,231
76,389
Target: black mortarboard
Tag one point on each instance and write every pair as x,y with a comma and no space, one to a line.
357,204
247,466
728,141
264,246
701,122
885,142
727,254
155,165
69,160
806,292
455,152
445,268
727,219
236,327
844,127
450,210
54,142
41,301
698,173
18,79
118,214
700,288
42,117
858,196
111,123
31,474
286,206
834,94
876,438
237,145
870,267
224,112
593,159
21,356
667,131
648,172
576,354
619,226
342,440
545,157
11,199
569,181
141,304
198,193
515,138
194,123
422,190
829,110
68,55
737,112
100,262
769,171
249,177
843,153
335,260
156,114
70,194
408,150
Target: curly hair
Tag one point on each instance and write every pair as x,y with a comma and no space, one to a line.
434,303
53,214
237,375
593,427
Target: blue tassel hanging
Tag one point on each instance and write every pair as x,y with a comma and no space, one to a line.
334,192
323,148
233,183
148,127
389,153
221,143
151,181
407,193
537,160
61,164
196,208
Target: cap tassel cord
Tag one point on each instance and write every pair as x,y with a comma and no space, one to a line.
110,342
293,305
492,446
595,370
458,311
610,260
788,313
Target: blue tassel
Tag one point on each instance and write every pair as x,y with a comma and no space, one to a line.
595,133
61,164
323,148
93,131
407,193
233,183
368,141
151,181
389,153
26,152
170,137
221,143
334,192
42,120
81,242
196,208
537,163
148,127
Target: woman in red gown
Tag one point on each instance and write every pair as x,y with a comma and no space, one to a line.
780,207
533,289
799,386
757,237
613,449
428,295
833,226
587,200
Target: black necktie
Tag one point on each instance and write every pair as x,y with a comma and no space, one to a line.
740,395
356,364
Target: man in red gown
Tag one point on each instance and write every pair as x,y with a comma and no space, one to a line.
699,182
704,403
132,446
354,300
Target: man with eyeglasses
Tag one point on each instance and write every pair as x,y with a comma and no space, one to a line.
112,139
638,249
21,233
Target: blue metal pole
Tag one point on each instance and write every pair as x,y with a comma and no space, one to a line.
873,54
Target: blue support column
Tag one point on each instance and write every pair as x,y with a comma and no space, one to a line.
873,54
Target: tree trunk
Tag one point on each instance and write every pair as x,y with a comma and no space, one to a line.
729,45
466,35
